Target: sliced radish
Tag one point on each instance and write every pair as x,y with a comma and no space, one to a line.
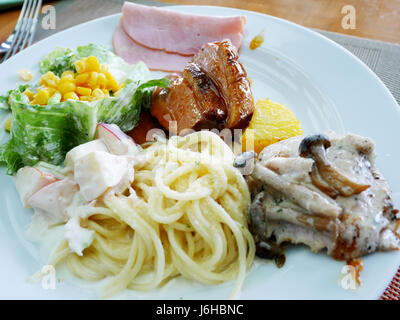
116,141
28,180
54,198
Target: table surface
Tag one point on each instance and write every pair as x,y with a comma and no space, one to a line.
375,19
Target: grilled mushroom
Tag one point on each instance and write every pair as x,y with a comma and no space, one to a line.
245,162
265,248
324,175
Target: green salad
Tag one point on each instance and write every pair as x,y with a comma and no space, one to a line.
47,132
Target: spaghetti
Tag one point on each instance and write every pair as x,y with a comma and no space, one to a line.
184,214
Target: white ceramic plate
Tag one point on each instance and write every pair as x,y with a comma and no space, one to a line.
326,87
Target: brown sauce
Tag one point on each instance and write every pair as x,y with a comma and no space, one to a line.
358,267
257,41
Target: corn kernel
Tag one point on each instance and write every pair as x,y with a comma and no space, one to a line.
83,91
109,75
7,125
68,72
82,78
65,87
102,80
103,68
50,79
84,98
70,95
67,77
53,82
92,64
87,98
51,91
93,79
25,74
29,94
80,66
48,75
41,97
98,94
112,84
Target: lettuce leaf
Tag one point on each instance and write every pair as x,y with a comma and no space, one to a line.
62,59
4,99
47,133
58,61
124,111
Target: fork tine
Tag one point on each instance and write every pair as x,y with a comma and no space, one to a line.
35,24
17,37
16,29
21,15
30,30
21,31
26,25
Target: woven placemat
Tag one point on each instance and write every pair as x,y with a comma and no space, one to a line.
381,57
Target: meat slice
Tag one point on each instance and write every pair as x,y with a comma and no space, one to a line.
215,89
205,93
178,110
219,60
132,52
176,32
289,205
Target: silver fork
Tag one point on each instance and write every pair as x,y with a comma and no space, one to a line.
22,36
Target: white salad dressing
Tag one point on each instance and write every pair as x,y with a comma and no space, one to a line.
97,171
29,180
91,169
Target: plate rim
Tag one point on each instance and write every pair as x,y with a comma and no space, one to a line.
242,11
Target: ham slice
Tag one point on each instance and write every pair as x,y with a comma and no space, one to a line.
133,52
176,32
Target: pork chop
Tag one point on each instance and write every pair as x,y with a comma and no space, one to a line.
213,92
220,61
323,191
